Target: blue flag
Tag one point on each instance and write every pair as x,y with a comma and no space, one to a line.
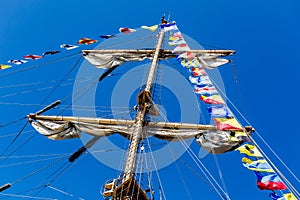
220,111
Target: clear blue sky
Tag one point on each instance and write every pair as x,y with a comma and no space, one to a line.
265,35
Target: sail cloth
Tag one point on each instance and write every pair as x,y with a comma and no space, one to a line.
108,60
59,130
211,61
214,141
217,142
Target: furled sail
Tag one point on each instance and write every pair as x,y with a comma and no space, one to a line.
217,141
59,130
214,141
211,61
56,130
109,60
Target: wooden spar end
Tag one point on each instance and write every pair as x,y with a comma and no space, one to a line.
249,129
52,105
5,187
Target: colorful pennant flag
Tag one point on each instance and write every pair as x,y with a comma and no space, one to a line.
33,57
17,62
188,55
249,150
269,182
202,91
206,88
189,63
150,28
196,71
5,66
201,81
181,48
50,53
258,165
174,39
176,42
68,46
227,124
236,136
289,196
168,27
214,99
220,111
126,30
86,41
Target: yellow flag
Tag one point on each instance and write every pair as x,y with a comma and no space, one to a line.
258,165
237,134
150,28
4,66
249,150
289,196
224,123
190,63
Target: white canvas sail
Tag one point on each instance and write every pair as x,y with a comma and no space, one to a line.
213,141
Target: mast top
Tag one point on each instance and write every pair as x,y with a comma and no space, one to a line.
163,21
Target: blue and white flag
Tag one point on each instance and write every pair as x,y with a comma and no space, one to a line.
201,81
169,27
204,91
68,46
220,111
17,62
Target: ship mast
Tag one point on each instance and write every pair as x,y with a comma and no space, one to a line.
126,187
144,99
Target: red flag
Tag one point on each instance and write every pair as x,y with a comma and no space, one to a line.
228,124
271,185
33,57
269,182
214,99
198,71
126,30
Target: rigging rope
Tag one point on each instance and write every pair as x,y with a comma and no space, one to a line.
12,122
291,187
25,196
195,159
14,140
60,82
37,171
63,192
220,173
156,170
205,171
39,65
28,162
19,147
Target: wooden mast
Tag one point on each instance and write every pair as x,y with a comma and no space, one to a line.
129,189
143,101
